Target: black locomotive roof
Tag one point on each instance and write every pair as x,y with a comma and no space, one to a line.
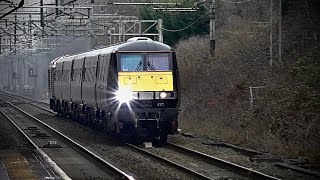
138,44
143,45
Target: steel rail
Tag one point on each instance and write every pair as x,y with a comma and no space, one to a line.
48,110
40,107
52,164
171,163
95,157
241,170
14,96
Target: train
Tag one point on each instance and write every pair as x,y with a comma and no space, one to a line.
130,89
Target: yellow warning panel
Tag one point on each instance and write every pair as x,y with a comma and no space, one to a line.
17,167
130,80
161,80
146,80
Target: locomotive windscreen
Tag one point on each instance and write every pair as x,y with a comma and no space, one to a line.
158,62
131,62
145,62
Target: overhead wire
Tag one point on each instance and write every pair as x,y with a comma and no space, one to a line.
227,1
5,8
182,29
236,2
186,1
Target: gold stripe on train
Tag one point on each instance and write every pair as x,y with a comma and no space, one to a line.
146,80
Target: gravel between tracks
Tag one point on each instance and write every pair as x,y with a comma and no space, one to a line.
10,138
133,163
236,157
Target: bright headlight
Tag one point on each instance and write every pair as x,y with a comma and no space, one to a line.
163,95
124,95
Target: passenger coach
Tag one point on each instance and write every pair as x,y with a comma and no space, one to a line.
131,89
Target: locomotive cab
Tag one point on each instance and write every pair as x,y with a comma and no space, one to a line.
147,93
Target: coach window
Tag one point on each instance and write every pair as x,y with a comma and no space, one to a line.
58,75
158,62
131,62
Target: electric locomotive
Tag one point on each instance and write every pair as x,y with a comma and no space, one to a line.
131,89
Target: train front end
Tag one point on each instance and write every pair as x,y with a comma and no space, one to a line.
147,95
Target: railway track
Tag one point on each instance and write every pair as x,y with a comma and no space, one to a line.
199,165
168,162
105,145
226,165
44,105
74,159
